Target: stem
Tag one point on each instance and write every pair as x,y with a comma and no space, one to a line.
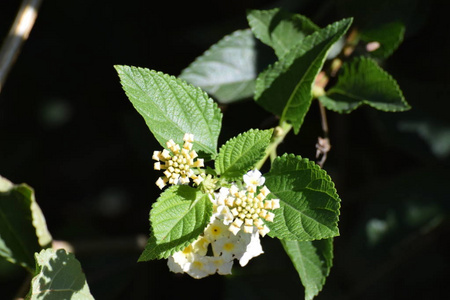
323,115
17,35
278,136
323,145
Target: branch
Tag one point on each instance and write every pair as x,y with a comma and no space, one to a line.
17,35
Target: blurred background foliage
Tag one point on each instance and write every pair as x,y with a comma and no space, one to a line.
68,130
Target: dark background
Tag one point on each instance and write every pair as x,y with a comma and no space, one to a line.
68,130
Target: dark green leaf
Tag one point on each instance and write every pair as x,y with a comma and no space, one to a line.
58,276
171,107
389,36
280,29
241,153
177,218
22,225
227,71
363,82
313,261
285,88
309,204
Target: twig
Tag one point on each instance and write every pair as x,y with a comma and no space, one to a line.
323,145
17,35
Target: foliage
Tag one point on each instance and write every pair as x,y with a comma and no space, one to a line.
306,219
58,276
226,207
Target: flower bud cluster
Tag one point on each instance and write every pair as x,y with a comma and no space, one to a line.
233,232
177,163
246,209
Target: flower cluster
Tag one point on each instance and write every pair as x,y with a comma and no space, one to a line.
233,231
237,222
178,162
244,208
225,247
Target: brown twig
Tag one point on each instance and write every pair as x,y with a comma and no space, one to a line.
323,145
17,35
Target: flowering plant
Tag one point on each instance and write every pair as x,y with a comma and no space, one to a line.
215,203
206,218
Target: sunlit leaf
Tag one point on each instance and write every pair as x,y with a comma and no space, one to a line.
171,107
177,218
309,203
285,88
241,153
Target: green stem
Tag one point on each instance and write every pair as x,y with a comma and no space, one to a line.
278,136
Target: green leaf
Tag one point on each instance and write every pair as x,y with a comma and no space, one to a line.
285,88
309,203
23,230
58,276
313,261
241,153
227,71
178,217
171,107
389,35
363,82
280,29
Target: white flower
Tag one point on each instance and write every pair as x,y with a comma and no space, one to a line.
254,178
228,247
223,266
201,266
174,266
253,246
216,230
181,259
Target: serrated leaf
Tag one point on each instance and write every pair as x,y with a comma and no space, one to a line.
285,88
280,29
309,203
58,276
313,261
389,36
171,107
241,153
227,71
363,82
23,230
177,218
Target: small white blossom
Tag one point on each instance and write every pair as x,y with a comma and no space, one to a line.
252,244
216,230
201,267
254,178
223,266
